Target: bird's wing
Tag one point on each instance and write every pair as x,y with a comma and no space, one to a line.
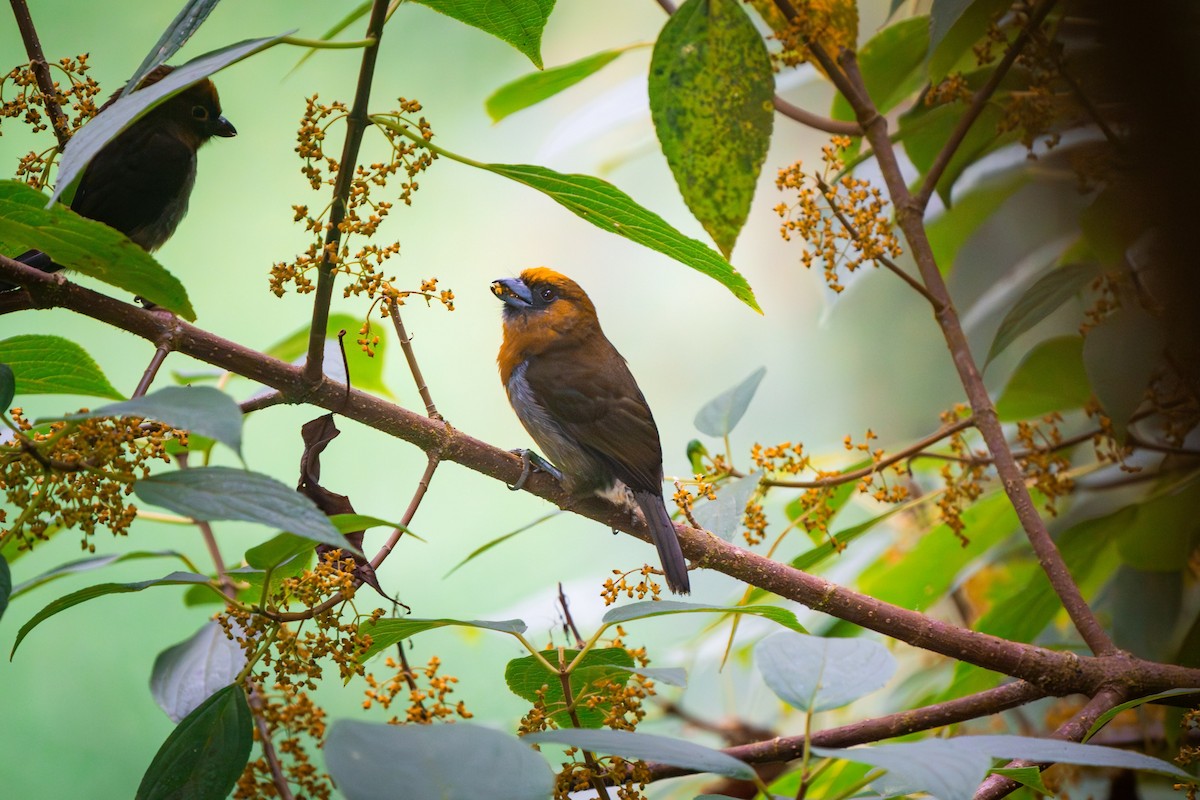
603,409
136,181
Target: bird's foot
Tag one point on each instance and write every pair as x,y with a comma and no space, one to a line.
531,462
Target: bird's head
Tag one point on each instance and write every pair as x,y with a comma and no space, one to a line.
195,112
542,308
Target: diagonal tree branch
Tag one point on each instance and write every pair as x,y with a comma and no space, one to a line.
41,72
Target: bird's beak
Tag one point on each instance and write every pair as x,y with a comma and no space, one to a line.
222,127
513,291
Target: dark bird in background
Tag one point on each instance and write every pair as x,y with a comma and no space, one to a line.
140,182
574,393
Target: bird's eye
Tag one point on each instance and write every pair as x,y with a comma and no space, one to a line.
200,112
547,294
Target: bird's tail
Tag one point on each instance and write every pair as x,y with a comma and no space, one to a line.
33,258
662,533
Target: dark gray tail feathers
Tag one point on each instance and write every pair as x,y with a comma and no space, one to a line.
36,259
662,533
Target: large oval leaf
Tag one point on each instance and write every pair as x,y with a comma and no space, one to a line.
518,22
386,632
205,754
187,674
711,93
53,365
199,409
658,608
449,762
1039,301
527,676
647,747
721,415
1050,378
816,674
223,493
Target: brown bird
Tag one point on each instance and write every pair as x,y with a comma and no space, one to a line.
574,393
140,182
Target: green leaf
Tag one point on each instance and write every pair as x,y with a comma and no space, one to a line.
711,99
535,87
955,226
204,756
924,132
606,207
1039,301
222,493
8,387
1050,378
517,22
527,676
203,409
54,365
723,517
87,565
954,28
610,209
478,551
100,590
892,65
1026,776
721,415
1120,355
6,585
816,674
448,762
646,747
186,23
90,247
386,632
1164,533
187,674
349,523
651,608
366,371
671,676
92,137
277,550
1108,716
1063,752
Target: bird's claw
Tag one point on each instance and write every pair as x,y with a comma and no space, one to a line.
531,462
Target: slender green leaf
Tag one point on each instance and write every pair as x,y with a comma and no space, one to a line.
892,65
277,550
186,22
1050,378
671,676
386,632
647,747
711,91
648,608
954,28
90,247
535,87
357,12
1039,301
223,493
447,762
1063,752
816,674
517,22
204,756
528,678
478,551
924,132
610,209
54,365
203,409
87,565
6,585
100,590
1108,716
126,109
1026,776
187,674
721,415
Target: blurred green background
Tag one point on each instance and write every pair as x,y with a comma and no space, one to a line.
78,716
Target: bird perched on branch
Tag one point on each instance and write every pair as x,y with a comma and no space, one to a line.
140,182
574,393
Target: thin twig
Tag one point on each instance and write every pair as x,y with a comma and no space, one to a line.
411,357
356,123
160,355
909,216
564,679
568,621
1080,95
265,400
978,102
268,747
41,72
815,121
